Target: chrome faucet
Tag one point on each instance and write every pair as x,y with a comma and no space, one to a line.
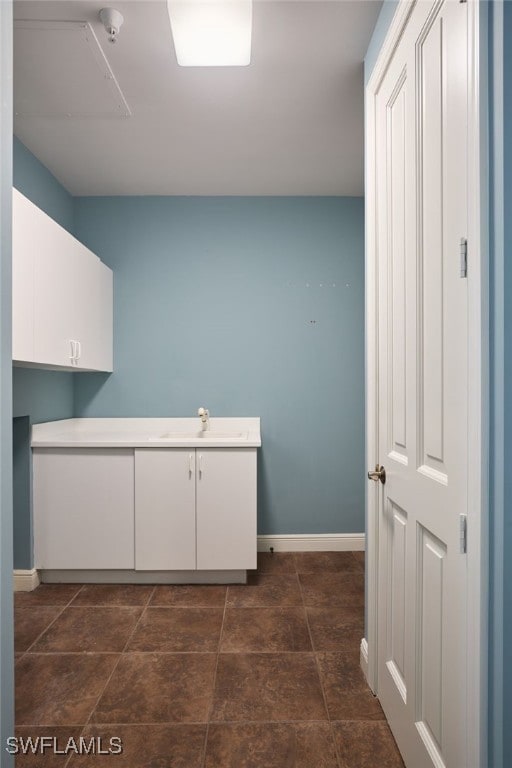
204,415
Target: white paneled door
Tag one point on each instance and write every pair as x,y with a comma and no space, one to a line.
421,118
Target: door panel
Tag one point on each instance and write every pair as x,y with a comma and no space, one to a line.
396,620
431,557
396,150
431,314
421,156
165,511
226,508
83,508
53,298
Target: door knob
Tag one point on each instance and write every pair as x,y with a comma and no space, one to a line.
379,473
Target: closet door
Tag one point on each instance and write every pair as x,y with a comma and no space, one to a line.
421,169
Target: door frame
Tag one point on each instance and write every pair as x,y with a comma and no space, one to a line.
478,360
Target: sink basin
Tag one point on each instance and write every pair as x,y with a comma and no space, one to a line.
208,434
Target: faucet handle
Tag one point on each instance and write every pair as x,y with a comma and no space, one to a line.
202,412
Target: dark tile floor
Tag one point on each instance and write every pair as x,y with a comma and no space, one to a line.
258,676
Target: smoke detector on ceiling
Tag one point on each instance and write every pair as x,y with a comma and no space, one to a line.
112,21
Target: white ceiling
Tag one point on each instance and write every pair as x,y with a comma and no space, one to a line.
289,124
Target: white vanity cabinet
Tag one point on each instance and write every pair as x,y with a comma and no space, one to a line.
165,515
62,296
226,508
195,509
145,500
83,508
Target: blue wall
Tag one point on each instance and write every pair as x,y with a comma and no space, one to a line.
497,361
22,493
501,676
36,182
507,538
500,197
214,299
6,563
250,307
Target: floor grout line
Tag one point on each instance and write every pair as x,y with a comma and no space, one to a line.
174,724
203,757
318,671
46,630
143,612
55,619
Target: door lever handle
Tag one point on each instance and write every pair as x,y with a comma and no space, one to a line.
379,473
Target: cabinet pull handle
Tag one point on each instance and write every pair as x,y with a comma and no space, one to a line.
79,351
73,344
200,464
190,466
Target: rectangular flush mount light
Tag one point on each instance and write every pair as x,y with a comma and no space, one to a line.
211,33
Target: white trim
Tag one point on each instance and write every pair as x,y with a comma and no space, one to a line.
391,41
25,581
478,388
363,656
62,576
320,542
478,398
371,380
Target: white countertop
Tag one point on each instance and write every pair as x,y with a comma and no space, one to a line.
147,433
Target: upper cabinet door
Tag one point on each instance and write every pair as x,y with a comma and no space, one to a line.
62,296
101,321
92,310
25,230
57,290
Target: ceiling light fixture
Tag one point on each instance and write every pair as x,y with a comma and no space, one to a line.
111,20
211,33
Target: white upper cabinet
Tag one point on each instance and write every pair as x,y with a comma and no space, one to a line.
23,276
62,296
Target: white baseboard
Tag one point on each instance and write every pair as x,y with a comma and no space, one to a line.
363,656
320,542
142,577
25,581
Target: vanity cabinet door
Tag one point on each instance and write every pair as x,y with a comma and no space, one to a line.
83,508
226,508
165,521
